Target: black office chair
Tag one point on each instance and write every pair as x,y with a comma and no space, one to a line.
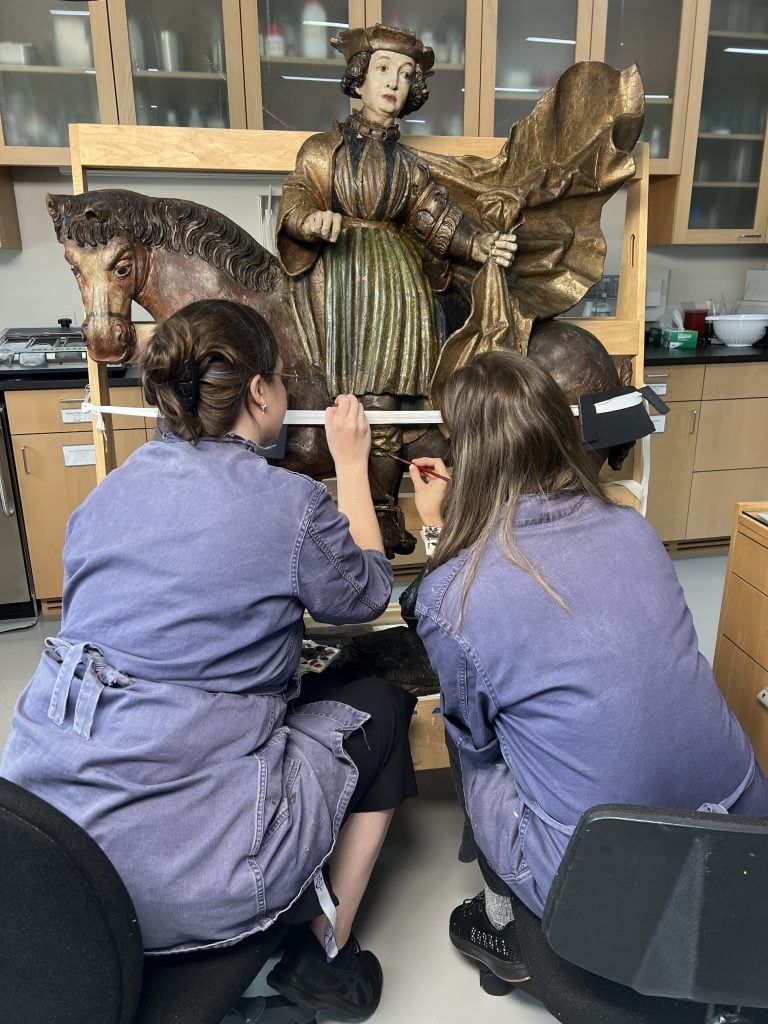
654,917
70,946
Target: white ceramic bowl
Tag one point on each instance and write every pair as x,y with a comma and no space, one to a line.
740,329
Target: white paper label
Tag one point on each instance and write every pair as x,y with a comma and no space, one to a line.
75,416
660,389
658,422
79,454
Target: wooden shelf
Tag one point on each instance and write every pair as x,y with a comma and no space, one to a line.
216,76
726,184
732,136
46,69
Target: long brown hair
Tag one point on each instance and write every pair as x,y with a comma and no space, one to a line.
512,434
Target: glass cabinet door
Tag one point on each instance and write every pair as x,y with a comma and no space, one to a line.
443,27
295,83
726,193
657,35
178,62
534,44
48,72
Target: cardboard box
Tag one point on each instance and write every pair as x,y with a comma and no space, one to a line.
672,339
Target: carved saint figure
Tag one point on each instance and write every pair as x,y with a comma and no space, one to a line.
370,210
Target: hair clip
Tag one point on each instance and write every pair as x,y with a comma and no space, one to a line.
187,384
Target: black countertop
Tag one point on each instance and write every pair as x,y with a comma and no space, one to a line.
122,379
716,354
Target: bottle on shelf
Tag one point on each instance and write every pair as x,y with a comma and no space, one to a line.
274,41
314,33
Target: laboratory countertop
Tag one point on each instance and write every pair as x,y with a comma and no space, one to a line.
123,379
716,354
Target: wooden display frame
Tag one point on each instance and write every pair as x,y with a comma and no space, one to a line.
129,147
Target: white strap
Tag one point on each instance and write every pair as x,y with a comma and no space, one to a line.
328,907
614,404
293,417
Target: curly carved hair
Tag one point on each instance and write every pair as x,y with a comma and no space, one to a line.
357,69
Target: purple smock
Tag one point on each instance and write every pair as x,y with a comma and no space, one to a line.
158,719
554,710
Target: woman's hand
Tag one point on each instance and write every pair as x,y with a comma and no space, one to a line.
429,492
348,432
324,224
496,246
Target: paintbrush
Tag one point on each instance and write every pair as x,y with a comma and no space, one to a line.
421,469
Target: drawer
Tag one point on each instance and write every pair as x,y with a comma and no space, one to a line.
732,435
750,562
741,679
681,383
714,497
58,410
744,619
741,380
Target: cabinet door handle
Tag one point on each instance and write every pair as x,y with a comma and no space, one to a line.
24,459
694,417
70,401
749,236
656,376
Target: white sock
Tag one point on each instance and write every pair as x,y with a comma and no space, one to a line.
498,908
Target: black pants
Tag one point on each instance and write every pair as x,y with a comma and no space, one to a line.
380,751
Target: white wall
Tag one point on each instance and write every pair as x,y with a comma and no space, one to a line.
36,287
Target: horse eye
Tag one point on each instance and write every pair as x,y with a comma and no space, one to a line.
123,269
75,271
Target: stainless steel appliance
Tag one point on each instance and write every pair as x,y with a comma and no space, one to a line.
18,607
46,353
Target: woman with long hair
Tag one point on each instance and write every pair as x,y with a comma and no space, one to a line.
169,717
569,667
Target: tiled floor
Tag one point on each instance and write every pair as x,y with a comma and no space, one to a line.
418,879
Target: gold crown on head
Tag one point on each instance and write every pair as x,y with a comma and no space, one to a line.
384,37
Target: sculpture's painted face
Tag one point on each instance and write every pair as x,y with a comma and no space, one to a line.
386,86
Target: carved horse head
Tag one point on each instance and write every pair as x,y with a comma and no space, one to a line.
162,253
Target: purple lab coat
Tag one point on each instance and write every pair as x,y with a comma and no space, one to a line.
554,710
158,718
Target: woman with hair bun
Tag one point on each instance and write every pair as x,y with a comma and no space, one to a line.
169,718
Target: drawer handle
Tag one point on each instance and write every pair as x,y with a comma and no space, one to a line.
749,236
694,417
656,376
24,459
70,401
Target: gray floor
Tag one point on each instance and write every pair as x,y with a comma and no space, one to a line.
418,879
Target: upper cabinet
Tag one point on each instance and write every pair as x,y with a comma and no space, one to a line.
721,194
55,68
178,62
657,35
525,48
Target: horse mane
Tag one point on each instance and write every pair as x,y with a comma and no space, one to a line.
178,225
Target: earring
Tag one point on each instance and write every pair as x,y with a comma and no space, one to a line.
263,407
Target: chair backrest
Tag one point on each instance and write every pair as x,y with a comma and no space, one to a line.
70,945
671,903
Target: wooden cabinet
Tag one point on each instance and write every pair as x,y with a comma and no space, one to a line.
741,654
178,63
721,195
52,443
713,450
55,68
657,35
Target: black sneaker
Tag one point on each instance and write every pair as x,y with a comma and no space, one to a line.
497,948
350,984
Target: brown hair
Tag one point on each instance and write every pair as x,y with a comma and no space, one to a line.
512,434
198,364
357,69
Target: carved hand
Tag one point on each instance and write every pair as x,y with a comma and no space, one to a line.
323,224
494,245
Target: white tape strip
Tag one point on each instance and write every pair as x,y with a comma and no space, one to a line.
293,417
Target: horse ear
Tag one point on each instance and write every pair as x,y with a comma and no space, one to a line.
53,204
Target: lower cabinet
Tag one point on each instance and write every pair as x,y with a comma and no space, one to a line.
52,448
713,451
741,655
